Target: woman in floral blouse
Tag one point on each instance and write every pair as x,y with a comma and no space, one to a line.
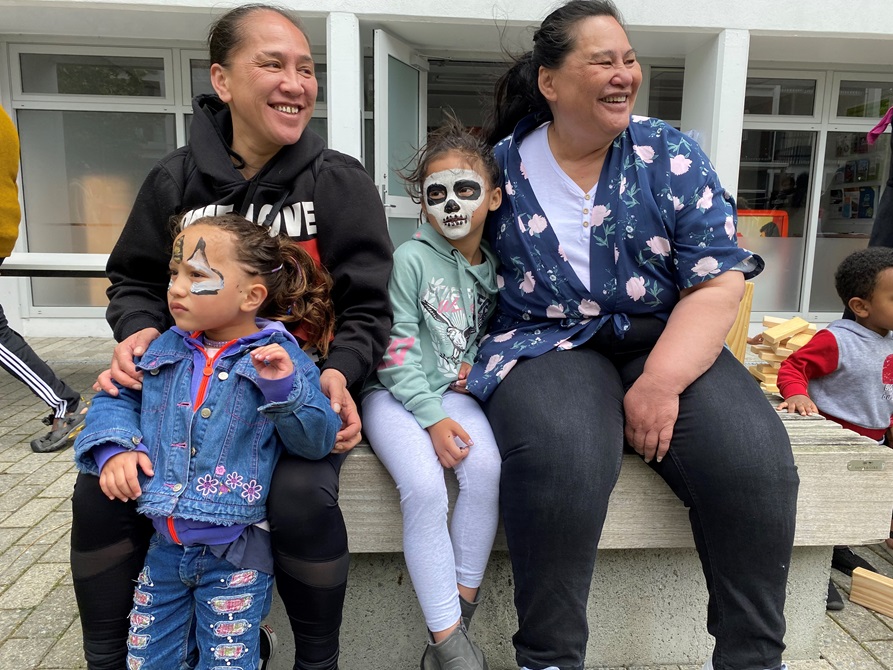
620,278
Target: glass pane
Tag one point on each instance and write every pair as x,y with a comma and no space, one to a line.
785,97
665,93
92,164
403,119
401,229
70,74
369,146
867,99
773,208
200,76
321,83
320,126
829,251
368,85
68,292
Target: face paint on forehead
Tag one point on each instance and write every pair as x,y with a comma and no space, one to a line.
177,254
198,261
451,197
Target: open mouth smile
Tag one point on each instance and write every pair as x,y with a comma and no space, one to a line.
287,109
453,221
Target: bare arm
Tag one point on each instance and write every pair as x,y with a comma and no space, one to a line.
694,334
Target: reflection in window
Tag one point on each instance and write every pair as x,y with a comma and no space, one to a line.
866,99
71,74
665,94
784,97
80,175
200,76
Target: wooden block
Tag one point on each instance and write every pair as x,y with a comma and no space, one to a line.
783,331
768,377
799,340
784,352
768,388
770,356
769,321
768,368
873,591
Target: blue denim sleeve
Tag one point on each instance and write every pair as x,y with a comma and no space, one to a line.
305,421
110,420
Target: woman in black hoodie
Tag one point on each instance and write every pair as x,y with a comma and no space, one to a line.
249,151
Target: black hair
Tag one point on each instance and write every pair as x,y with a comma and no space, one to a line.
225,34
298,288
517,91
858,273
450,136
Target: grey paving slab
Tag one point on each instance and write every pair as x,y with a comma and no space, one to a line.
882,652
51,617
23,654
33,585
67,653
843,652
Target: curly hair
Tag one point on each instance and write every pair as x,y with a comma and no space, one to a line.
858,273
298,288
451,136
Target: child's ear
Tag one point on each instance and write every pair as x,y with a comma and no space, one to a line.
859,307
254,297
495,199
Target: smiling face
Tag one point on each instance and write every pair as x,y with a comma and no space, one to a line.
269,85
208,290
456,197
594,89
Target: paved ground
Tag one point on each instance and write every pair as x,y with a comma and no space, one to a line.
39,627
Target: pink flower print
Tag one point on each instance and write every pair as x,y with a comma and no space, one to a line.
521,225
646,153
220,471
417,235
679,164
639,119
635,288
505,337
622,185
562,254
677,204
509,189
706,266
590,308
524,171
660,246
616,253
555,312
706,200
730,227
537,224
234,480
528,283
506,369
251,491
564,345
224,489
500,282
207,485
599,214
495,360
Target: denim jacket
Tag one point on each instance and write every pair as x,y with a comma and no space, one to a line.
214,462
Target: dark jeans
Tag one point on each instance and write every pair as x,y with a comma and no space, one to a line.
109,542
558,420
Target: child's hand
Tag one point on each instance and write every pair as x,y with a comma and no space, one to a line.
443,437
459,385
118,478
800,404
272,362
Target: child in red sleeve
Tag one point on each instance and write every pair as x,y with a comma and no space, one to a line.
845,372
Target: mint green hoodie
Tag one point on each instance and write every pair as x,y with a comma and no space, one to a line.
441,305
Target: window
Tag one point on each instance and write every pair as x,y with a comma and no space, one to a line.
864,99
665,94
780,97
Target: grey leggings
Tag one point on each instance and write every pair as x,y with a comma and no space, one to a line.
438,557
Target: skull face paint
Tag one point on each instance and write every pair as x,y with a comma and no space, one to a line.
198,261
451,197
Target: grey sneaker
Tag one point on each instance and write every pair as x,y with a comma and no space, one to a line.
62,431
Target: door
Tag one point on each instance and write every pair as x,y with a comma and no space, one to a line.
400,111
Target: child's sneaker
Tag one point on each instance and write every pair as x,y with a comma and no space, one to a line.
62,431
267,646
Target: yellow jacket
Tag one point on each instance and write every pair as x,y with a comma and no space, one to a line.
10,214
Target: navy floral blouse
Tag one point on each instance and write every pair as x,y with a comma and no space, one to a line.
660,222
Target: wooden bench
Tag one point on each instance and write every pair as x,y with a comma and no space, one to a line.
648,600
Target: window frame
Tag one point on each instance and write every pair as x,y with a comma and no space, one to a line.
819,76
837,79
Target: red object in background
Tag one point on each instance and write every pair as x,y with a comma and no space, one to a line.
777,216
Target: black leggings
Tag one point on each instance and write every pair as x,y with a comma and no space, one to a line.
109,542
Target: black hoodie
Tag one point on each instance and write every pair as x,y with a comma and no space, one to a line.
320,197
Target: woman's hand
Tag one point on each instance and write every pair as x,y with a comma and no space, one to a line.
118,478
334,386
651,411
443,437
123,370
272,362
799,404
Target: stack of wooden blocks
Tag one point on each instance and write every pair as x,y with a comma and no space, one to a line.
781,338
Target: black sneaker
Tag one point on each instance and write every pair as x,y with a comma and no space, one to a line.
835,601
846,560
267,646
62,431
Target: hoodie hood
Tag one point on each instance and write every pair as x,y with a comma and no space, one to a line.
861,332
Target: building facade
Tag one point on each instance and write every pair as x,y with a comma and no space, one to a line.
780,96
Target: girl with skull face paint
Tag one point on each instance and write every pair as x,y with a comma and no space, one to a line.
417,415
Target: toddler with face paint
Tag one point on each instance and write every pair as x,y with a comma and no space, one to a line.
416,413
223,393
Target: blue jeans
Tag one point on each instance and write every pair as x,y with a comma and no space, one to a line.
190,606
558,421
